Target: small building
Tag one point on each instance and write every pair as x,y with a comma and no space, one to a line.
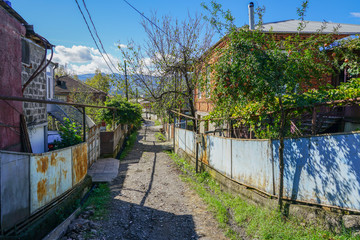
66,86
22,74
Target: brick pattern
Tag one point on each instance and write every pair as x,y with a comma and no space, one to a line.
205,105
35,113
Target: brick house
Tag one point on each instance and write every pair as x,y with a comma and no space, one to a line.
23,53
280,30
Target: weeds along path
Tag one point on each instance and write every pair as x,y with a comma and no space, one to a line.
149,201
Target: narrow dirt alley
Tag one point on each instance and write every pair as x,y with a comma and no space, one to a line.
149,200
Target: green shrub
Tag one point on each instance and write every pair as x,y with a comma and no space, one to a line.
125,113
69,133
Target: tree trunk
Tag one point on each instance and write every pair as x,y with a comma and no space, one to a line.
281,156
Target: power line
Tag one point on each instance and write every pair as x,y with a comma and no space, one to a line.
92,36
96,33
152,23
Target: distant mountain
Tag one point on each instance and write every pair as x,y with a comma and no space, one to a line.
83,77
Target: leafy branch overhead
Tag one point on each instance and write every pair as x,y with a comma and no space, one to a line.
163,67
255,72
125,113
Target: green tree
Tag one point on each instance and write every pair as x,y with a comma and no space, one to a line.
255,74
100,81
125,113
163,67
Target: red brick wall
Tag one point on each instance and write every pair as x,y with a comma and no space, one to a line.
10,80
205,105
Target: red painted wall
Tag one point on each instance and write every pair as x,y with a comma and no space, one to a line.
10,80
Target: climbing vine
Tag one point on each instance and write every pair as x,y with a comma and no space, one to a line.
255,72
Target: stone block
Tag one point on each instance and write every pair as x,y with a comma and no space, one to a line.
351,221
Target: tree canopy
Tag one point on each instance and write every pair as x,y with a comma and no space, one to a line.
163,67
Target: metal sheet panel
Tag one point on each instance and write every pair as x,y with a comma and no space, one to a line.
296,157
79,162
181,136
15,184
252,163
323,169
332,175
50,176
219,156
190,143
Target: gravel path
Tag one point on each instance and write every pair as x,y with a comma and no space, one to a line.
149,201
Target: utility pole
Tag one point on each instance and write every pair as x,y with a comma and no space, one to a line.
126,83
137,95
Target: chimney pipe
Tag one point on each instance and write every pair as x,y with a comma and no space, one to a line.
251,16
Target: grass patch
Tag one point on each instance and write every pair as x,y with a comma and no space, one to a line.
99,200
157,122
257,222
160,137
128,145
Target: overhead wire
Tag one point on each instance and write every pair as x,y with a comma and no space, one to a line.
92,36
97,35
159,28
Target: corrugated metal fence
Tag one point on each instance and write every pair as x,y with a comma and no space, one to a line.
320,169
28,182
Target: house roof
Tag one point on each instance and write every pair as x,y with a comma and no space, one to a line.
73,85
291,26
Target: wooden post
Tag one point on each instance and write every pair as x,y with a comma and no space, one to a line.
126,84
281,156
196,148
174,132
169,127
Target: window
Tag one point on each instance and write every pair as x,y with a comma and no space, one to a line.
25,52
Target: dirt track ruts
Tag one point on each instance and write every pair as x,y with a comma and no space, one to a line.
149,200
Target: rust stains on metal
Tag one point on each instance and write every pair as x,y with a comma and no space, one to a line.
41,189
79,162
42,164
53,187
204,158
53,159
64,172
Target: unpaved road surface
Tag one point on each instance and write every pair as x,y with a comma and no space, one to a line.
149,200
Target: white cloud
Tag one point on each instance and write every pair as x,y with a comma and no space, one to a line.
120,45
83,60
355,14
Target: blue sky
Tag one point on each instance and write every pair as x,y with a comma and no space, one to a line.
62,24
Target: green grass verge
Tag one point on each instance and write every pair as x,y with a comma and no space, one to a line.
157,122
232,212
160,137
99,200
128,145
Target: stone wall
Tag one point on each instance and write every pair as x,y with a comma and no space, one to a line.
35,113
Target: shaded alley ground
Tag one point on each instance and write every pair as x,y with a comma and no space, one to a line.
149,200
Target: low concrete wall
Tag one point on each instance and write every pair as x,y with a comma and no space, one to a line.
111,142
29,182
